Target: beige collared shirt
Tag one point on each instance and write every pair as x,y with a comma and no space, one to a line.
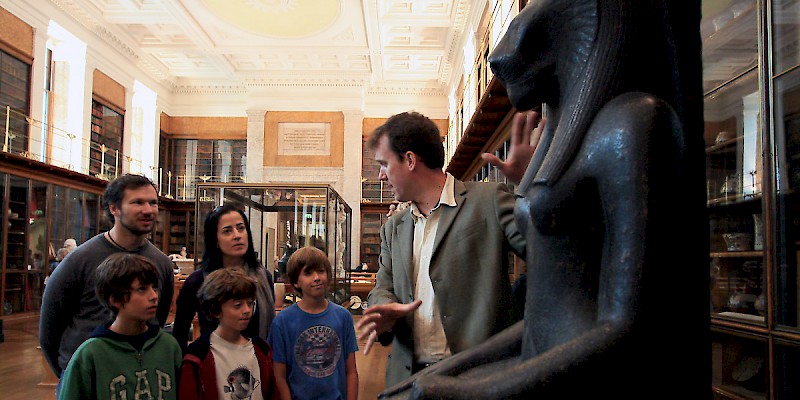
430,343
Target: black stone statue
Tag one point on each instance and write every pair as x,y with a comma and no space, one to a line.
614,211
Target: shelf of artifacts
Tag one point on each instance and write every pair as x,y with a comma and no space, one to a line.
738,254
738,285
733,199
740,365
362,282
723,145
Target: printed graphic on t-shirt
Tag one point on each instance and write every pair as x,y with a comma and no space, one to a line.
241,384
317,351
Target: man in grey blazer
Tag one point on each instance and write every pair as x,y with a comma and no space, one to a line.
443,285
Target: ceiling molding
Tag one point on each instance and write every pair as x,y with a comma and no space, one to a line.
463,9
400,90
77,13
378,47
209,89
114,40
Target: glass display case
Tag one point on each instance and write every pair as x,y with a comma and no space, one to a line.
751,84
373,216
39,216
372,188
287,216
734,193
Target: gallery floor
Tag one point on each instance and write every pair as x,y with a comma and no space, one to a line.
24,375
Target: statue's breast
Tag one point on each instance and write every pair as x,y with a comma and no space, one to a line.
561,209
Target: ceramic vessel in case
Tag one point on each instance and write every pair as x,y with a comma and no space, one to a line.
738,241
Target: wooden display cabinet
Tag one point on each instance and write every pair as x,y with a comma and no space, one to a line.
106,134
739,366
29,236
372,189
174,227
373,216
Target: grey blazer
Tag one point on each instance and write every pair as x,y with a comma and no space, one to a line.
469,271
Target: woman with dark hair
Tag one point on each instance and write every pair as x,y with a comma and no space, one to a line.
228,244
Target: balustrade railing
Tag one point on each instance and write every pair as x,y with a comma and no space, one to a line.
30,138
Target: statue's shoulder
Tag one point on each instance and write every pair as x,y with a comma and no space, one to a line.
633,123
635,109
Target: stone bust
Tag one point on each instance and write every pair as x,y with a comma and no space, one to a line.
613,206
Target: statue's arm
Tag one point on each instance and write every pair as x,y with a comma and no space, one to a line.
501,346
522,376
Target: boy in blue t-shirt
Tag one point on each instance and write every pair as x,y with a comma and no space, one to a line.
314,341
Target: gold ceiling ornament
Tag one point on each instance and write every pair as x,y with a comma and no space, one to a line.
277,18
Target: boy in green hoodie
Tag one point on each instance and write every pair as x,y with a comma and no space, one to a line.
128,357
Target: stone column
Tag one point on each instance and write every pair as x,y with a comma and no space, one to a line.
255,145
254,174
351,187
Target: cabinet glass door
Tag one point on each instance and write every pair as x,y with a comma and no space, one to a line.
787,163
734,189
6,304
57,207
91,224
189,244
18,254
75,215
733,134
371,222
37,242
786,149
740,366
177,231
157,235
58,225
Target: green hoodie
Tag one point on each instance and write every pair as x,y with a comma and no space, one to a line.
108,366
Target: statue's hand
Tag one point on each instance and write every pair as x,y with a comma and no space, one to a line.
526,130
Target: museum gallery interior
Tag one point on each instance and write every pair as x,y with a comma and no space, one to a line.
235,101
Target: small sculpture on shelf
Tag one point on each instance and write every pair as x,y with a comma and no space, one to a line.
182,255
723,136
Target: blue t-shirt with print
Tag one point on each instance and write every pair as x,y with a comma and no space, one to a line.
314,348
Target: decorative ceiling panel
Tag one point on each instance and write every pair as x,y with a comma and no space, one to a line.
386,43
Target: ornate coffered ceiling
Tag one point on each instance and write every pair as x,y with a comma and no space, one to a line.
378,45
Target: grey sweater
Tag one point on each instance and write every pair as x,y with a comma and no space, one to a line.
70,308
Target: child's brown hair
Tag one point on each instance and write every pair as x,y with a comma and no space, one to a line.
115,275
306,257
222,285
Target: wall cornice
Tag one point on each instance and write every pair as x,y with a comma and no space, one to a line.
406,91
463,9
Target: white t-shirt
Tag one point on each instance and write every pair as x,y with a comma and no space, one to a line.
238,374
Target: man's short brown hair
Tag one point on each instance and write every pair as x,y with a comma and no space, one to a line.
303,258
222,285
414,132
